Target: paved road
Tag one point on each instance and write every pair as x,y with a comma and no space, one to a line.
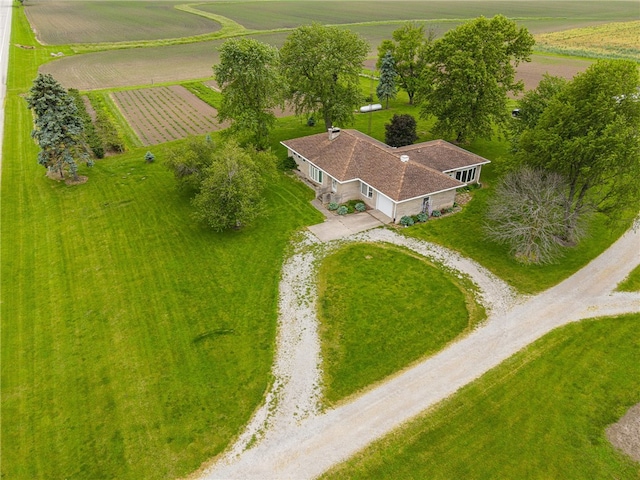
309,449
5,34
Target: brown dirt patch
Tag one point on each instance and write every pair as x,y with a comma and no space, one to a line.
625,434
279,112
531,72
163,114
67,180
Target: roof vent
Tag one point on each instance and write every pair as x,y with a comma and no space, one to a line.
404,158
333,133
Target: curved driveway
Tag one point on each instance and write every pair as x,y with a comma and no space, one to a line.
308,448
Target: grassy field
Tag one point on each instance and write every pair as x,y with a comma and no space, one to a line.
135,343
380,309
612,40
63,22
541,414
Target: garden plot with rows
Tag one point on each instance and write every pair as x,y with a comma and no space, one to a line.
163,114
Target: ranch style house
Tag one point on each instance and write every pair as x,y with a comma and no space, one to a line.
347,165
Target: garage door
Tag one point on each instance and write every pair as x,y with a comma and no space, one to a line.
385,205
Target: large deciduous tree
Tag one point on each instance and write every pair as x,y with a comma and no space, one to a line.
588,132
321,65
249,77
387,84
410,49
230,194
527,214
472,69
58,127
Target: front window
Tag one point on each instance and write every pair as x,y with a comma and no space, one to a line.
465,176
366,190
315,174
334,185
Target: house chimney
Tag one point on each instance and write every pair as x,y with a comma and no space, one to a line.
333,133
404,158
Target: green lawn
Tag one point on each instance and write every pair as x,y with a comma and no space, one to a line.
382,308
464,232
541,414
632,282
135,343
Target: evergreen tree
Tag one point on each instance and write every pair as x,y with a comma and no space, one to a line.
387,85
58,128
411,50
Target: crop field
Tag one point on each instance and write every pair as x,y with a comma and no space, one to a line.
163,114
271,15
612,40
58,23
180,63
142,66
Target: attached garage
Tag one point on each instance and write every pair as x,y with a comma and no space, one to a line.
385,205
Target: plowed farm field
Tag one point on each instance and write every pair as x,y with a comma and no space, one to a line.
163,114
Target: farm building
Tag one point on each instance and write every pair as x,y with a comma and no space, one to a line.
346,165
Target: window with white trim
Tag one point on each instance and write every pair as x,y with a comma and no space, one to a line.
315,174
334,185
465,176
366,190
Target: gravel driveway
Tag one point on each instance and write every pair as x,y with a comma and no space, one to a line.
289,436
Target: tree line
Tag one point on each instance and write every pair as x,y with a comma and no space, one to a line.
577,138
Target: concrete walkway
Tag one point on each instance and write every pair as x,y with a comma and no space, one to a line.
340,226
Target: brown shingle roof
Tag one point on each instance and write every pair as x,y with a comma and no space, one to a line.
354,155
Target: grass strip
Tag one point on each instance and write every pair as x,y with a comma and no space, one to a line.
541,414
632,282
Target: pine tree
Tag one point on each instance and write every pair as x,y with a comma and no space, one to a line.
58,128
387,86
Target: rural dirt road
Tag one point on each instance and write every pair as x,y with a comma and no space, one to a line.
298,442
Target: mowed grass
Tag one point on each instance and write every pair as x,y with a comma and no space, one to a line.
612,40
464,233
58,23
382,308
541,414
135,343
271,15
632,282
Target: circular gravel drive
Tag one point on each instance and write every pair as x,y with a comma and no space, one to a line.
290,438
